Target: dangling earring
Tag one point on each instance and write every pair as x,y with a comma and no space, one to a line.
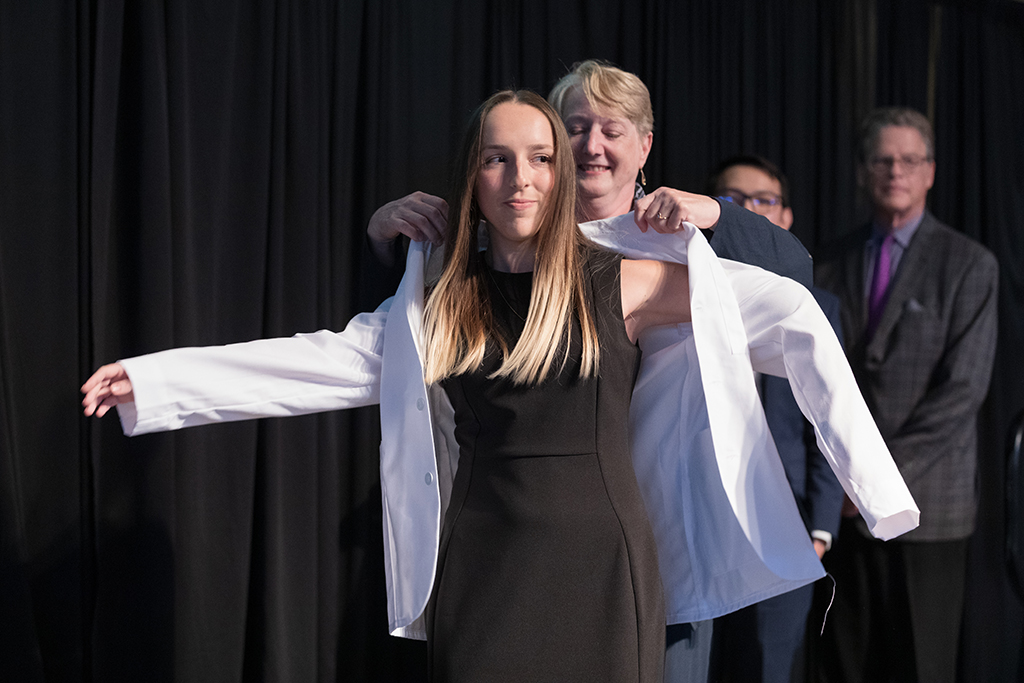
643,178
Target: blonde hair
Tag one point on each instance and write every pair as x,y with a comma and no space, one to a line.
606,87
458,320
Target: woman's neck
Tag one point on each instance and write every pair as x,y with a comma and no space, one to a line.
519,258
600,208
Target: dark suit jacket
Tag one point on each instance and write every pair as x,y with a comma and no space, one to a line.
744,236
925,373
818,493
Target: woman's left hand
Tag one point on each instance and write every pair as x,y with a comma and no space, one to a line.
665,209
109,386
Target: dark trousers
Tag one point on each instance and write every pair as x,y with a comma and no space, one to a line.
687,650
897,610
761,643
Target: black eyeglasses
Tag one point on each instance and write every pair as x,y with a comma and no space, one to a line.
761,201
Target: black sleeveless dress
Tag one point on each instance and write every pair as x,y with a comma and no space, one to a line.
547,568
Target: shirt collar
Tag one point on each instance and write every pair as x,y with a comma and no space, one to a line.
902,235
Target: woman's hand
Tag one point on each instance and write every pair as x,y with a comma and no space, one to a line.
665,209
107,387
421,217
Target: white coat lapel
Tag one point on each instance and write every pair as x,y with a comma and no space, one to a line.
407,464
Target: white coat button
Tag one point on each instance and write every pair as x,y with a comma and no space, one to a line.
420,405
427,478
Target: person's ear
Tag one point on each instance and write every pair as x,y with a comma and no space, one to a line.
645,147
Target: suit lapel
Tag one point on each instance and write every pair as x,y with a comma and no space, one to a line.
913,267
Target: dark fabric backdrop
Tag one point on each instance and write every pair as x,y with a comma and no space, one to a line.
191,172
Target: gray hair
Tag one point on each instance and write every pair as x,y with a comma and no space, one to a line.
894,116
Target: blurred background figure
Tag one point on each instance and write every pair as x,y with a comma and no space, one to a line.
919,313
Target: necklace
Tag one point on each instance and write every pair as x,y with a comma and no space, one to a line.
502,294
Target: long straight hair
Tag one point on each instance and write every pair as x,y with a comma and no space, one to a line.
458,319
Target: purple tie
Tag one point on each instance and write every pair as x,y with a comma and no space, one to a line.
879,285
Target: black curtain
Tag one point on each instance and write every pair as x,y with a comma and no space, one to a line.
187,172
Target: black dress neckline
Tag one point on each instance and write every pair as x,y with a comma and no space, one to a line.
510,294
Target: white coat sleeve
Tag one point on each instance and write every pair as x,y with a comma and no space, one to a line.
789,336
307,373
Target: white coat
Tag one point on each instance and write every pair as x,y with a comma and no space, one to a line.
723,515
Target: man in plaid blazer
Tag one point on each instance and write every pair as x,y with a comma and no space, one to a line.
919,315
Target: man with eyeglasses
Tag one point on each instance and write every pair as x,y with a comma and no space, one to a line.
756,184
762,642
919,315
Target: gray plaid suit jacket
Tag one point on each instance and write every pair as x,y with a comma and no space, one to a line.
926,372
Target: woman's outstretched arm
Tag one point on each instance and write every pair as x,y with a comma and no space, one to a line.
307,373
